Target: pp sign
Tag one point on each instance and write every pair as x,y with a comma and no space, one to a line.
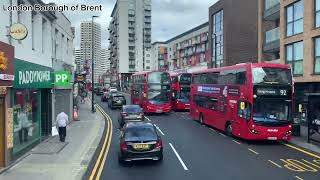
62,79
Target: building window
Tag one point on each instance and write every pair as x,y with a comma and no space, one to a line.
317,13
294,57
317,56
295,18
217,39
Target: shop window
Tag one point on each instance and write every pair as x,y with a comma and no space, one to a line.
26,119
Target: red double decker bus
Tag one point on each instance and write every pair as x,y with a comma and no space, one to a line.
251,101
152,91
181,85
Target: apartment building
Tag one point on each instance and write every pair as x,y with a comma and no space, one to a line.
86,46
77,58
105,60
185,52
233,32
159,56
289,33
130,39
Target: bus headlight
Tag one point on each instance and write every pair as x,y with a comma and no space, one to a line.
254,131
288,133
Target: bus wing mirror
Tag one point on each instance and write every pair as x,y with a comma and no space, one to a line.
242,105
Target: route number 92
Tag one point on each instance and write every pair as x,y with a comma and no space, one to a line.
283,92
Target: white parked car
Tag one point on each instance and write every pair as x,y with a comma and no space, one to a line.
113,89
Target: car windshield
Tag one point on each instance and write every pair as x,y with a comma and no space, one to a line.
270,111
159,78
132,109
266,75
119,98
185,79
184,95
158,94
141,133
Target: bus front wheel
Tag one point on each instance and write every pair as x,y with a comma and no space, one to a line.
228,129
201,119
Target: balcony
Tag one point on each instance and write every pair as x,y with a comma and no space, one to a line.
131,44
131,31
147,13
147,20
272,41
131,19
272,10
131,25
147,26
131,38
147,7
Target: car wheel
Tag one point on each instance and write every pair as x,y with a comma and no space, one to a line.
228,129
121,160
160,157
201,119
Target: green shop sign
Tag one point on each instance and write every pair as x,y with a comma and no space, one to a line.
30,75
62,79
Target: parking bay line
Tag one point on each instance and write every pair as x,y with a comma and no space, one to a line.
253,151
275,164
179,158
298,177
159,130
236,141
147,118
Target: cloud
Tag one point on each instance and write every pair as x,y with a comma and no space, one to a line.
169,17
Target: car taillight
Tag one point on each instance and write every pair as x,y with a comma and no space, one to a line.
124,114
123,146
159,144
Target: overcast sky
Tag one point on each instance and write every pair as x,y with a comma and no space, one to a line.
169,17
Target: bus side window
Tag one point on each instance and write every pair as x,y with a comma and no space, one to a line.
244,110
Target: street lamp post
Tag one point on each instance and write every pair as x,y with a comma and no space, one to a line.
92,65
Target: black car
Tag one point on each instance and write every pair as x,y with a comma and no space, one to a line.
130,113
140,141
116,100
99,91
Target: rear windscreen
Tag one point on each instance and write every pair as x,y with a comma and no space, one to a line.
140,134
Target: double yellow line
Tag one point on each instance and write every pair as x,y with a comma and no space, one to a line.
98,167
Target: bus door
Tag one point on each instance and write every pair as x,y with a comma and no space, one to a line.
242,118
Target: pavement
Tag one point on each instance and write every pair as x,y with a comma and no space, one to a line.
194,151
302,140
53,159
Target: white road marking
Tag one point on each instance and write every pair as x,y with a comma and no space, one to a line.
179,158
253,151
147,118
236,141
298,177
275,164
222,135
159,130
212,130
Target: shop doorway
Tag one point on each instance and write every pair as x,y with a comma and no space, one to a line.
46,117
2,132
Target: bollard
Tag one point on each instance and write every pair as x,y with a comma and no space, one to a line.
75,114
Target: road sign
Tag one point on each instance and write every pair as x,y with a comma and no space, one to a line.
62,79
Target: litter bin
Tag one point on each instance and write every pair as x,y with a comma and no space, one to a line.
296,130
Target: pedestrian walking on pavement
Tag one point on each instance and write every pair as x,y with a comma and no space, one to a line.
62,121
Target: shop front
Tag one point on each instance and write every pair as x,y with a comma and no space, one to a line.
6,82
30,109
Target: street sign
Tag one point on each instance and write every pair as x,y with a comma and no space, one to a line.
62,79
